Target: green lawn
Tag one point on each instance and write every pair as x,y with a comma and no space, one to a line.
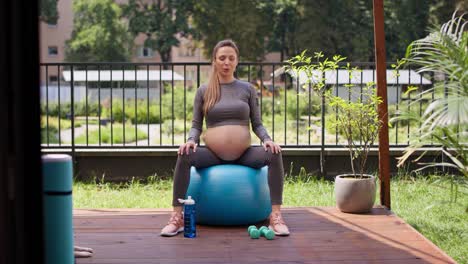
424,204
114,133
420,201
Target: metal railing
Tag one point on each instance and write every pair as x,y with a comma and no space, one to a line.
148,105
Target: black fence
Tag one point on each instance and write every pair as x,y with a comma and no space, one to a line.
149,105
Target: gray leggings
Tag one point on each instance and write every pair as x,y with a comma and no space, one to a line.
255,157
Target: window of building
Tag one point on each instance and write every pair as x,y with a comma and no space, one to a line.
53,79
52,50
52,24
145,52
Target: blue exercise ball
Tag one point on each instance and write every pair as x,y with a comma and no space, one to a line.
230,194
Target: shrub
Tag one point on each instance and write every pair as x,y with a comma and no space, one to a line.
117,135
158,111
65,109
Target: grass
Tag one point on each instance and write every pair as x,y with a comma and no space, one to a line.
423,202
50,127
155,193
117,135
420,201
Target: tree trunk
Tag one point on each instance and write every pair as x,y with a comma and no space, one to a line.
165,57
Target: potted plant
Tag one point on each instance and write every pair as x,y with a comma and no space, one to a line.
357,122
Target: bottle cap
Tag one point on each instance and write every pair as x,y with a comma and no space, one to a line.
188,201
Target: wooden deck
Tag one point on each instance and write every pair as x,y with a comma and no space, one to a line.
318,235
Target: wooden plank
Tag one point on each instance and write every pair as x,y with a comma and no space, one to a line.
151,223
319,235
349,245
119,211
245,242
207,261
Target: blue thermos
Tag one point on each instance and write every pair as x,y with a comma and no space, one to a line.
57,175
189,217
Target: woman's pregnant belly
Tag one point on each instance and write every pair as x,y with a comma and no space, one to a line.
228,142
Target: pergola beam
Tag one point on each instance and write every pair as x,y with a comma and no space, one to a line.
384,157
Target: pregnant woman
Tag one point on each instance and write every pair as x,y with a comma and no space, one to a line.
229,106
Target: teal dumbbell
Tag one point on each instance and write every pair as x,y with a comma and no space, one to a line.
267,233
253,232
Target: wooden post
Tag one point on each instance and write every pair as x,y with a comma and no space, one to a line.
381,68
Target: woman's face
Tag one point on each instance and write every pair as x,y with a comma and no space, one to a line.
226,62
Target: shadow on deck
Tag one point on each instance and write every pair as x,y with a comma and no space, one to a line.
318,235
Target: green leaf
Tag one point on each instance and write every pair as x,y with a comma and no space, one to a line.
410,89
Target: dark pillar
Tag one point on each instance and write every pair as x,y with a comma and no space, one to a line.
21,238
384,159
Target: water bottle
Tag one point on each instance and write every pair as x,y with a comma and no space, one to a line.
189,217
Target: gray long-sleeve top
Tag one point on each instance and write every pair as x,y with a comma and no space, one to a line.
238,103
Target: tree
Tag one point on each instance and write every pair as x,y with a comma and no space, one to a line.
160,21
407,20
285,16
442,10
98,35
242,21
337,27
346,26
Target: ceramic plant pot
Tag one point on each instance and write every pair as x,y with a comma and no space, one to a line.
355,194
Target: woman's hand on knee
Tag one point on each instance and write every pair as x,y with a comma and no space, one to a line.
275,148
186,147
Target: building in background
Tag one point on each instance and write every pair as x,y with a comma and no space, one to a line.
54,36
52,50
